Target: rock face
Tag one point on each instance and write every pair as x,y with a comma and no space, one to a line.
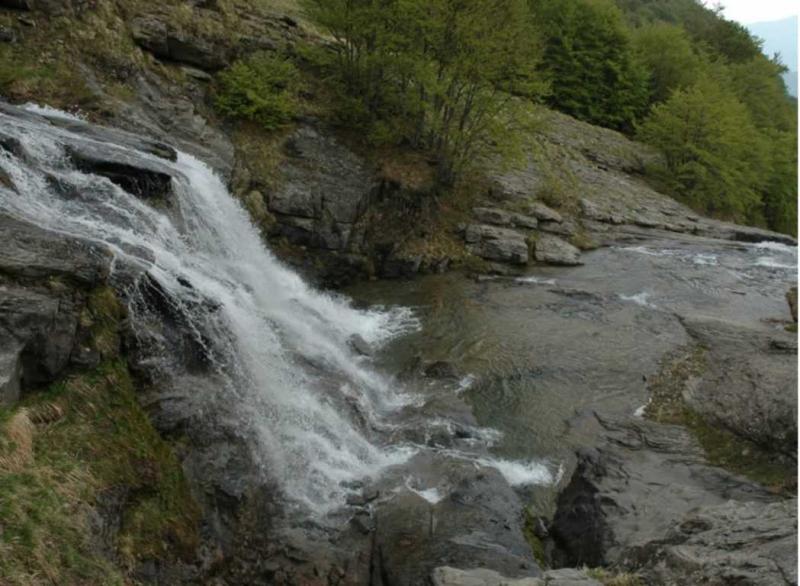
750,382
646,501
31,253
322,193
752,543
544,213
499,244
163,41
553,250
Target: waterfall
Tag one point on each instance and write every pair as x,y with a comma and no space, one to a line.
267,322
276,353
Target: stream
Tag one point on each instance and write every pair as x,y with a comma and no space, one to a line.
533,352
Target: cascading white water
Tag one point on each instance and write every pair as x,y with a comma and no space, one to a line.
313,434
266,316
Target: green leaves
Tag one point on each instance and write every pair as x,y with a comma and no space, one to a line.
260,88
715,157
590,61
438,75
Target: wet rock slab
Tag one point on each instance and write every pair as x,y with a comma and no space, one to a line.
452,513
628,495
750,382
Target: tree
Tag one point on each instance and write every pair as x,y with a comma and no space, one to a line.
438,74
668,54
716,160
590,61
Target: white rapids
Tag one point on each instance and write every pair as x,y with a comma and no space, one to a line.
267,325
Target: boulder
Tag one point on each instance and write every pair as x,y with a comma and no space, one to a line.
470,518
544,213
493,216
631,489
752,543
749,385
497,244
791,298
553,250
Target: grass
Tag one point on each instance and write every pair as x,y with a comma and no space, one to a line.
60,452
64,450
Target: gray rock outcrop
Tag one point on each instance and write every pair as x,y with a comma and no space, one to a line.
750,382
646,501
753,543
498,244
323,190
447,576
551,249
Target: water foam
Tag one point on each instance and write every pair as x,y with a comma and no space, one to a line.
640,299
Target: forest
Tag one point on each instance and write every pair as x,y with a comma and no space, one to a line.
453,78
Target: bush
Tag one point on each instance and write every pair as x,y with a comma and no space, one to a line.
261,88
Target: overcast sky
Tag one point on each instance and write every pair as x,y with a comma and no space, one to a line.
749,11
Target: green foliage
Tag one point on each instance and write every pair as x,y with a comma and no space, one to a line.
715,158
23,77
261,88
670,57
590,61
439,75
706,27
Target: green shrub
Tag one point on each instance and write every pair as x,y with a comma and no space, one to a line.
261,88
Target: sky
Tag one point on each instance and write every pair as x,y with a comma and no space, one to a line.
750,11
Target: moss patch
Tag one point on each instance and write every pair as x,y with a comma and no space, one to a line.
537,547
722,447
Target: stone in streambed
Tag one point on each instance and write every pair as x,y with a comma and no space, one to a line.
360,345
441,369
